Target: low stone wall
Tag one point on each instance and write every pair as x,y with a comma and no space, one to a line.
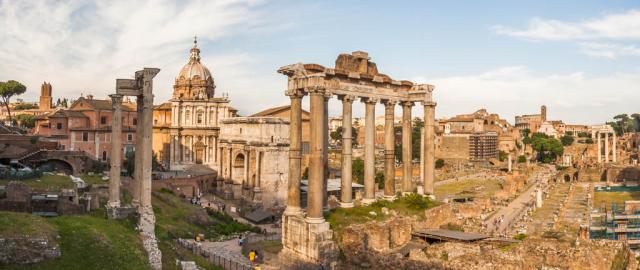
25,250
187,186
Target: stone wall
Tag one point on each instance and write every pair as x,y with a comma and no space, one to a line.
26,250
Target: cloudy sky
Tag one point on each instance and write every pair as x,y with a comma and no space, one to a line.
580,58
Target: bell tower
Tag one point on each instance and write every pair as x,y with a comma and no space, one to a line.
45,97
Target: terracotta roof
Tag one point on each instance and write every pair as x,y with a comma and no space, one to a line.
163,106
275,110
102,104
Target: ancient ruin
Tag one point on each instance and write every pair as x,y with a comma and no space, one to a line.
142,88
306,234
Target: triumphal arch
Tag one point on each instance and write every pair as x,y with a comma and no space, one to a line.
306,234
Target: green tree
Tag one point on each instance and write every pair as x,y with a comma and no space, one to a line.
502,155
26,120
9,89
357,170
26,106
583,134
380,179
129,163
522,159
337,135
417,126
547,148
566,140
526,132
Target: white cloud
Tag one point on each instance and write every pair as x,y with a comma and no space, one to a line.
612,26
608,50
573,97
82,47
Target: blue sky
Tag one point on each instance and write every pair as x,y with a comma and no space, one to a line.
577,57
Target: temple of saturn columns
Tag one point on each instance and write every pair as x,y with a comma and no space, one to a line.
354,78
142,88
604,134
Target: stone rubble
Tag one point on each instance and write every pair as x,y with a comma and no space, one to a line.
146,226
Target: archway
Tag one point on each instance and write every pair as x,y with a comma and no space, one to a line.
199,149
576,176
238,168
56,165
567,178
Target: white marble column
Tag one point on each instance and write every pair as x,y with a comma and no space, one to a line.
615,148
295,154
599,148
316,164
389,150
429,146
407,168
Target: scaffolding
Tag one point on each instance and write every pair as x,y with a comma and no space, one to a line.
615,224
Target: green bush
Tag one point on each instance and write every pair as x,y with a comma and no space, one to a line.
522,159
520,236
439,163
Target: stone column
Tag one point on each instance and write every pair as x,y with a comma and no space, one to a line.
420,186
257,191
346,199
389,153
137,170
369,150
171,150
245,181
429,146
295,154
615,148
147,127
606,147
116,151
316,163
407,168
325,153
599,149
509,161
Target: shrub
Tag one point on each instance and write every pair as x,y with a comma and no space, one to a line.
439,163
520,236
522,159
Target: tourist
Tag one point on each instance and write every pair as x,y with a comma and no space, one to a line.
252,255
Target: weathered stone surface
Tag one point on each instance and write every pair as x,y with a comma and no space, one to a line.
25,250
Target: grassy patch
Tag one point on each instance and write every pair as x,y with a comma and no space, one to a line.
24,224
270,246
607,198
93,242
476,187
45,182
409,205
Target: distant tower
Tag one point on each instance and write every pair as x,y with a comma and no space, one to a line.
45,97
543,113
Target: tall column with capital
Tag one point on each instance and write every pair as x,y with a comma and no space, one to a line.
407,169
137,170
615,148
389,153
147,131
316,163
257,197
369,150
116,151
599,149
346,199
295,153
325,152
429,146
606,147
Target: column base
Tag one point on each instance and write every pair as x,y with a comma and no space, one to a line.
308,242
389,198
293,211
368,201
113,204
346,204
420,190
311,220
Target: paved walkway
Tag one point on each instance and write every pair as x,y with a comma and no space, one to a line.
512,211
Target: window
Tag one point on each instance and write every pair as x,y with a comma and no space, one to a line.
103,120
59,125
199,118
85,136
129,137
187,115
104,155
135,121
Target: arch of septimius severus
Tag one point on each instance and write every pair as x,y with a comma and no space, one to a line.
354,78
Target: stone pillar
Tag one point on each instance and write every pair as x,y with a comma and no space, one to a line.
325,153
116,151
420,187
316,163
369,150
389,153
599,149
147,132
137,170
429,146
509,162
407,168
615,148
346,199
606,147
257,191
538,198
245,181
295,154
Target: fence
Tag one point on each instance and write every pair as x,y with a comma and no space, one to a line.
217,259
257,238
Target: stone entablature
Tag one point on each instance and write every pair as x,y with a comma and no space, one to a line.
256,130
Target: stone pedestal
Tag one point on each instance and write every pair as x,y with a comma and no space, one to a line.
311,242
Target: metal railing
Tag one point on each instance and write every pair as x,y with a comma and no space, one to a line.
217,259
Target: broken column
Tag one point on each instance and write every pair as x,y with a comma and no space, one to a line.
116,150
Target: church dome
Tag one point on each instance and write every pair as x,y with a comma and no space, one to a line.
194,80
